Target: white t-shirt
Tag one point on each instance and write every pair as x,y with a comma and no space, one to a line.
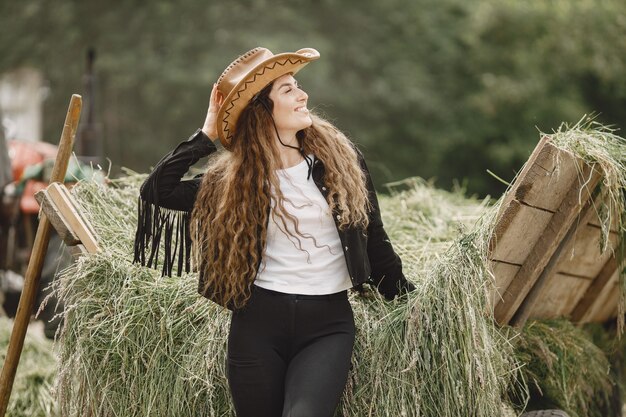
286,266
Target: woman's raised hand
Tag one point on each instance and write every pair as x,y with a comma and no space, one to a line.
210,124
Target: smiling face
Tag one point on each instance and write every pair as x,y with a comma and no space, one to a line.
290,111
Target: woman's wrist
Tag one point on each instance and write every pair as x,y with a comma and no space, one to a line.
205,131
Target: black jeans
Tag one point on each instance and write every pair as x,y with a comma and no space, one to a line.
289,354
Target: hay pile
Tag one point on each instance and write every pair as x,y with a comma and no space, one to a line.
136,344
565,369
31,395
148,345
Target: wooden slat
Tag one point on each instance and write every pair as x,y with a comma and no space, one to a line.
546,246
68,197
585,258
592,295
580,258
553,169
604,306
608,309
559,296
504,274
51,211
77,250
614,223
67,209
537,154
614,218
522,230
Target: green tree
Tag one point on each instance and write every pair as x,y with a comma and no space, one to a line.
435,88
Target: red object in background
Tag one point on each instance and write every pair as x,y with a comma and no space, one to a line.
23,154
28,204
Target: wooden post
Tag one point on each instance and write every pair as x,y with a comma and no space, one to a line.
35,264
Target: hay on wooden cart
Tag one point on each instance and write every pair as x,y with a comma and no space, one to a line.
149,345
137,344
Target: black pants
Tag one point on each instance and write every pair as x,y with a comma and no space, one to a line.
289,355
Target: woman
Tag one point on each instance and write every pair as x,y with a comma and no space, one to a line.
283,222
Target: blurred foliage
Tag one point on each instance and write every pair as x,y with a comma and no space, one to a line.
435,88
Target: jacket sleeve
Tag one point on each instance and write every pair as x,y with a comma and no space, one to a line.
387,275
164,207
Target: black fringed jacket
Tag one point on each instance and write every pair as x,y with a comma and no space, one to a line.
165,205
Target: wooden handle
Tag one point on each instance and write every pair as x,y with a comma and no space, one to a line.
35,264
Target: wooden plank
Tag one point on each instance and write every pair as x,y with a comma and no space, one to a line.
506,215
559,296
70,197
584,258
77,250
614,222
58,222
542,171
546,246
503,274
523,229
68,210
604,306
553,169
583,310
537,155
603,207
608,309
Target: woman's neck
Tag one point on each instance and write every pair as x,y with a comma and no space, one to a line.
289,156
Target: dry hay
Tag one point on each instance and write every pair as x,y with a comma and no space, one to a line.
137,344
31,395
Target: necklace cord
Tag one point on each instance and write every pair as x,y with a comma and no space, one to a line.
307,158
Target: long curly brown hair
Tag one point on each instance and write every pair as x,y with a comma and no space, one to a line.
231,212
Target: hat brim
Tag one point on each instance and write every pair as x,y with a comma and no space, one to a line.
263,74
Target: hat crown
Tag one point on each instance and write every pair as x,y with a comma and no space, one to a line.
239,68
249,74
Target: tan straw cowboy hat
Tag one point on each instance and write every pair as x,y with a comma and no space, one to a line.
249,74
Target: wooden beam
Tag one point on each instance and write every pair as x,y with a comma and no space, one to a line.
593,292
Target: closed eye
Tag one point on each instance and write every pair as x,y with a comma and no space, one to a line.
291,89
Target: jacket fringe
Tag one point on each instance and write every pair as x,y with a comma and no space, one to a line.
157,224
